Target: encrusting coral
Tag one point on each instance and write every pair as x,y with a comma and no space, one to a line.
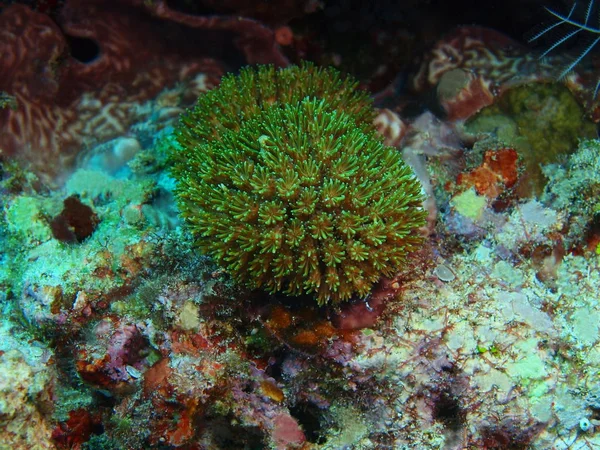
283,180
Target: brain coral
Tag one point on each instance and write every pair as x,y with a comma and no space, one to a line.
284,181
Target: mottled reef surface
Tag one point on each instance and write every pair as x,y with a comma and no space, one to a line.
120,330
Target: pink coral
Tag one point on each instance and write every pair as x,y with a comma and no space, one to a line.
287,433
116,357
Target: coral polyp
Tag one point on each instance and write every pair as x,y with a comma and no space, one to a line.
283,180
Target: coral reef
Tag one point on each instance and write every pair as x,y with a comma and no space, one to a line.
26,390
474,65
574,188
113,261
542,121
118,333
57,73
285,184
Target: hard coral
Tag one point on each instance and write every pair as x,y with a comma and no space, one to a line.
285,182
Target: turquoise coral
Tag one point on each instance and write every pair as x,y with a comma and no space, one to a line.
283,180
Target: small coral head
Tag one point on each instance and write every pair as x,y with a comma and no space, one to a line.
284,181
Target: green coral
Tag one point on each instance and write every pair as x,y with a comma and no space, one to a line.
283,180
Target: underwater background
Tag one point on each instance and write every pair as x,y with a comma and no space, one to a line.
299,224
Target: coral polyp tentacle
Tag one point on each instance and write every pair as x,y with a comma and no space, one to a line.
283,180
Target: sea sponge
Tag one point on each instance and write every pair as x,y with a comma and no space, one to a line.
284,181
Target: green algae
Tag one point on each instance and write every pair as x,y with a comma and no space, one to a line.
469,204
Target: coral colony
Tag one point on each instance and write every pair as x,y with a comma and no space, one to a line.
286,184
309,225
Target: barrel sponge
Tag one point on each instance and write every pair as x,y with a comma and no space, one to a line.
283,180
